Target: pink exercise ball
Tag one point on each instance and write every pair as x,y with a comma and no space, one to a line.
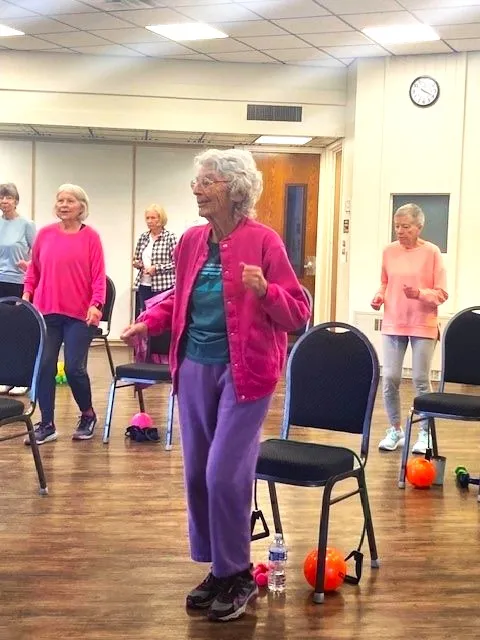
142,420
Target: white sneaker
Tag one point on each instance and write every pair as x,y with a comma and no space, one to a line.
421,444
393,438
5,388
18,391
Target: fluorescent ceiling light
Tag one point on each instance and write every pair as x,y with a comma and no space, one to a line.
402,34
6,32
298,140
187,31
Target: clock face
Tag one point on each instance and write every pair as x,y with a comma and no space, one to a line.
424,91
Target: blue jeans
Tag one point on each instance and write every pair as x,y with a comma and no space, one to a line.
394,348
76,336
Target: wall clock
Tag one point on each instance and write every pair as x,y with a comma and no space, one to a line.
424,91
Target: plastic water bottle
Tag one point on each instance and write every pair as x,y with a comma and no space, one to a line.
277,560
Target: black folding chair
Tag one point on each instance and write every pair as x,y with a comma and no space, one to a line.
331,383
143,373
294,335
460,365
22,340
101,333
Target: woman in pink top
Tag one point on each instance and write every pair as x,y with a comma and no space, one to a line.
413,285
66,278
236,297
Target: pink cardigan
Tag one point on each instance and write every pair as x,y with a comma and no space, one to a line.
257,327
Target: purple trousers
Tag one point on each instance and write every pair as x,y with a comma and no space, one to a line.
220,441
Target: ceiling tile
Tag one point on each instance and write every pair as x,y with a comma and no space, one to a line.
452,31
341,7
193,3
191,56
7,10
276,9
52,7
274,42
342,38
221,45
160,48
466,44
413,5
26,43
113,5
93,21
142,17
128,36
360,51
321,62
418,48
243,56
298,55
74,39
459,15
218,13
363,20
109,50
248,28
321,24
33,26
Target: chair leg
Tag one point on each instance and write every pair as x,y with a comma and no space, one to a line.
36,457
275,510
433,434
319,594
406,447
141,401
108,415
367,514
109,356
169,434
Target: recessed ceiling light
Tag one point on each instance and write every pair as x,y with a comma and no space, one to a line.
187,31
6,32
298,140
402,34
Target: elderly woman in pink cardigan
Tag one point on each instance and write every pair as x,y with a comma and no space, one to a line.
236,297
413,285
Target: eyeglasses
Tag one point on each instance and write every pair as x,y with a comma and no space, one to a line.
9,198
204,182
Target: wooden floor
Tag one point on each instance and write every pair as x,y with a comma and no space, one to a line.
105,554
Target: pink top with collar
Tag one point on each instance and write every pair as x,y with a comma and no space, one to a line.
257,327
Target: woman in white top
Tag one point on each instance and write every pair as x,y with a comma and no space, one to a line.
154,256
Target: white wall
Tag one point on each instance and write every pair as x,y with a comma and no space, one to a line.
61,89
400,148
16,166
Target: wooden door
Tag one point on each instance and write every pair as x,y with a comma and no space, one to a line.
287,178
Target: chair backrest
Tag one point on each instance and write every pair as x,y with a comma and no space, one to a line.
306,327
332,380
159,345
111,294
22,339
461,348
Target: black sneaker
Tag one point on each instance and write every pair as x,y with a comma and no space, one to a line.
44,432
205,593
85,427
232,602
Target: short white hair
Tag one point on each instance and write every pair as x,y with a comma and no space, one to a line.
239,168
80,194
410,209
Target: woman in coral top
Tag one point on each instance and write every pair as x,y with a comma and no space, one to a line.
413,286
236,297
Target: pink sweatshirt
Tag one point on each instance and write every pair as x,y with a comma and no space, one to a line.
67,271
257,327
421,268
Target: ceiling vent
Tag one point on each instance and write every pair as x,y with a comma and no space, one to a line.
276,113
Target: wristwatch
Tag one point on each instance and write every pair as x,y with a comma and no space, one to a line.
98,305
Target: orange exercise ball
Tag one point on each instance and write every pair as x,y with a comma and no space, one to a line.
420,472
335,569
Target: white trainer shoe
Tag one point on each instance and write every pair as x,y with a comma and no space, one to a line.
421,444
393,438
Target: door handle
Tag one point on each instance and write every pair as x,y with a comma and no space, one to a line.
310,265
